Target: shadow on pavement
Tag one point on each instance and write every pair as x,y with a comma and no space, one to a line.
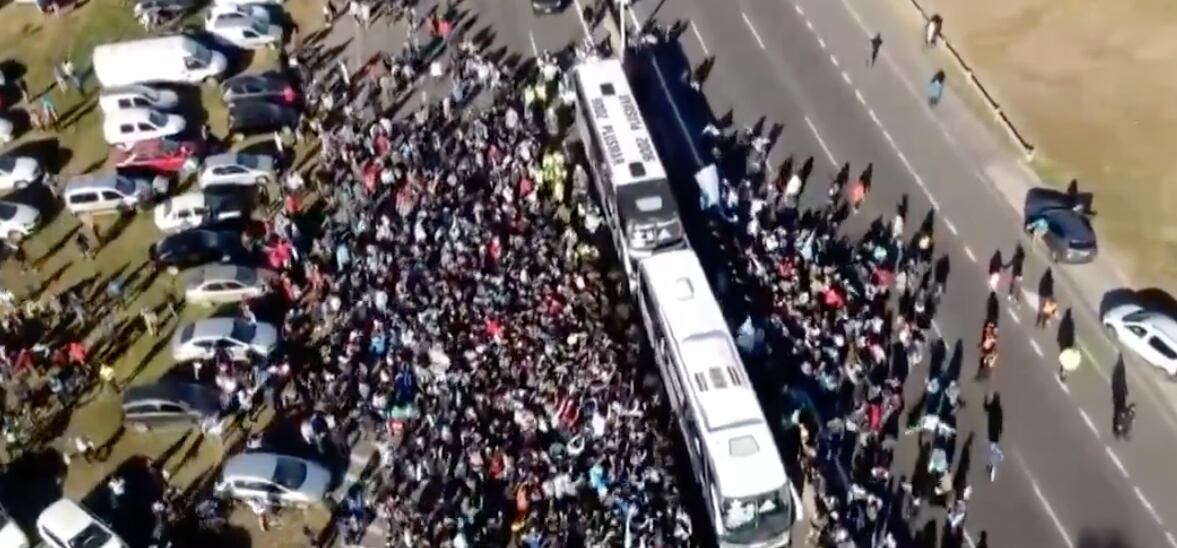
129,515
30,484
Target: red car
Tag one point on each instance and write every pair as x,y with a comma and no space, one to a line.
163,155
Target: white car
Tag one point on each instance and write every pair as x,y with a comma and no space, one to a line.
241,339
218,284
7,130
137,96
245,33
1151,335
18,221
126,127
219,13
19,171
64,524
194,209
237,169
270,476
11,535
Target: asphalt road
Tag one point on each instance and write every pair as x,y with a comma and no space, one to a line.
804,64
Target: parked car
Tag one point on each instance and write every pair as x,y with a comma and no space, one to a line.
1152,335
1066,231
252,117
175,58
137,96
264,86
11,535
164,155
163,10
7,130
97,194
18,221
65,524
245,33
237,169
273,476
19,171
126,127
239,338
196,246
193,209
217,284
172,403
237,12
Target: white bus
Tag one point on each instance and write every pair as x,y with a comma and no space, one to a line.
748,495
630,179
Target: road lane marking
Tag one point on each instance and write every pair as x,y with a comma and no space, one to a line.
809,25
834,60
854,15
755,34
858,95
534,48
951,227
1090,423
1147,505
874,117
969,251
588,33
821,142
1172,541
1116,461
1058,525
1037,349
699,36
799,10
845,77
821,42
1014,317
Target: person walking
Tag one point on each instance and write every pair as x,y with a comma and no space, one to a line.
932,30
993,458
117,487
1047,312
936,88
876,44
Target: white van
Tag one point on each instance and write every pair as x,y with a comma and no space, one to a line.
176,58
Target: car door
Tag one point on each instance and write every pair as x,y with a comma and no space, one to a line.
111,198
211,291
83,201
233,290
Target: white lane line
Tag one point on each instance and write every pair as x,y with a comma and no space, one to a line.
1062,531
834,60
1116,461
809,25
1014,317
845,77
588,33
755,34
1090,423
858,95
799,10
534,48
969,251
936,328
874,117
821,42
699,35
1172,541
968,538
1147,505
887,136
1037,349
821,142
951,227
854,15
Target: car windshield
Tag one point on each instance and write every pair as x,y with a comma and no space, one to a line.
93,536
259,27
243,331
157,119
248,160
203,55
7,211
290,473
7,163
187,332
756,519
125,186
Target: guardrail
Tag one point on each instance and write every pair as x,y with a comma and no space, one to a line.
1015,134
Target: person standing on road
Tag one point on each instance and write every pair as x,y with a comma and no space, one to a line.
1047,312
876,43
936,88
932,30
1016,265
993,458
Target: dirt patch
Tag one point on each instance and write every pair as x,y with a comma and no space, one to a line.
1091,83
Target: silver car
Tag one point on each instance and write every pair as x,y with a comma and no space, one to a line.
238,337
19,171
237,169
217,284
273,476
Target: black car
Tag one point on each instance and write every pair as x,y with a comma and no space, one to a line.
272,86
252,117
1061,220
547,6
197,246
171,403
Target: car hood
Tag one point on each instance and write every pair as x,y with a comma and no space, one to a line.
26,168
5,128
265,338
318,480
25,215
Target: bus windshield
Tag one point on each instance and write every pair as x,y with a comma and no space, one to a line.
757,519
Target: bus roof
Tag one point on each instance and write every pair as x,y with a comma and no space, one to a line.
617,123
733,424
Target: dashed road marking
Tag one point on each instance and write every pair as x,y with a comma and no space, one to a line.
1116,461
699,36
755,34
821,142
1037,349
809,25
889,138
969,251
1090,423
799,10
1172,541
845,77
1058,525
874,117
951,227
834,60
1147,505
534,48
861,99
1014,317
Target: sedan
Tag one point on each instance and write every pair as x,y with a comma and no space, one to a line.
253,117
237,169
273,476
164,155
218,284
1062,224
172,404
195,247
123,128
237,12
264,86
19,171
237,337
1149,334
194,209
18,221
245,33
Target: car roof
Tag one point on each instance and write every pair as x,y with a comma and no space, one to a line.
256,77
1071,224
224,159
217,272
253,465
65,518
213,327
91,182
128,114
244,23
188,200
199,397
132,89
